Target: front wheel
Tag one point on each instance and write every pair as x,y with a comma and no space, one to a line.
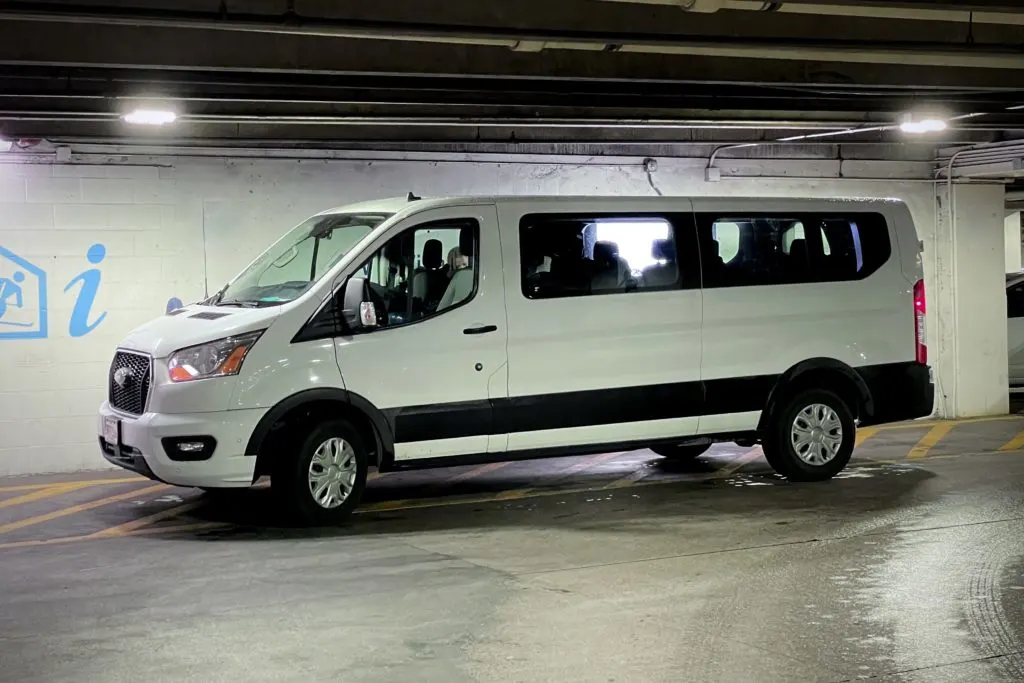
811,437
681,452
322,482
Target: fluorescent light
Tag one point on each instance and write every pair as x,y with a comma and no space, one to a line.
921,126
151,117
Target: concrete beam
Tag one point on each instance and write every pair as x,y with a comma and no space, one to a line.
158,48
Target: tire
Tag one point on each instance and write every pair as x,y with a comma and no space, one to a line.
332,442
823,457
684,452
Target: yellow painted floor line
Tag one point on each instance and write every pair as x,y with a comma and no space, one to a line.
577,467
135,524
863,434
630,478
86,482
74,509
736,464
192,526
1014,444
473,473
42,494
917,424
929,440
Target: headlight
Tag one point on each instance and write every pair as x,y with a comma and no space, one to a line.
214,359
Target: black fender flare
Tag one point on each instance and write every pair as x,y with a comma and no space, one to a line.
793,375
381,425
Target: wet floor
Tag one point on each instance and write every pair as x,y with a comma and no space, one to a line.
622,567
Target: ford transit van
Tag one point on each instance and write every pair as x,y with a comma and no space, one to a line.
413,332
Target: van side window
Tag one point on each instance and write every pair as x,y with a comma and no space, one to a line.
1015,301
424,270
564,255
775,249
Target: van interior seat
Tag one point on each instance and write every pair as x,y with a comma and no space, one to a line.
461,285
430,281
666,271
610,271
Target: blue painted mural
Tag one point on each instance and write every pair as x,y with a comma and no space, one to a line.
23,296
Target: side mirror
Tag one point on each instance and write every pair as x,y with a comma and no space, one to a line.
357,311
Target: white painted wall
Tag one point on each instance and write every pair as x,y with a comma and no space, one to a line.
153,220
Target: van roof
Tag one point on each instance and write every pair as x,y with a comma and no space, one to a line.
393,205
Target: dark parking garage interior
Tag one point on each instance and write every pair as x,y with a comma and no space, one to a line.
150,150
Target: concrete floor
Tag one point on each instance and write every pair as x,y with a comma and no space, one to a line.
613,568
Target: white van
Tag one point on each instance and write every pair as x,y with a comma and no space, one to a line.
411,332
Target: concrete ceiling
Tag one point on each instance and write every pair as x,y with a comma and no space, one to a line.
406,73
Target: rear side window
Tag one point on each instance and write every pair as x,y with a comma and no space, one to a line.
563,255
1015,301
773,249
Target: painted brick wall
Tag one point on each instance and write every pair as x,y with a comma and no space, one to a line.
178,226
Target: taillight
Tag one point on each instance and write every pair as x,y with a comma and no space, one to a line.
919,311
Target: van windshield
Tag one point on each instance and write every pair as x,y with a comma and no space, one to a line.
298,260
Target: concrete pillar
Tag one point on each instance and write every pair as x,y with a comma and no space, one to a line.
1013,244
967,293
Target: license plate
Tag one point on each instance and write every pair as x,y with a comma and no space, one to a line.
111,430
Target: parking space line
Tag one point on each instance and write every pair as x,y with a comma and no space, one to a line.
930,440
917,424
577,467
41,494
87,482
863,434
136,524
739,462
473,473
630,478
82,507
1014,444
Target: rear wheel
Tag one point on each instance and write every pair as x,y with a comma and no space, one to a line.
321,483
811,437
681,452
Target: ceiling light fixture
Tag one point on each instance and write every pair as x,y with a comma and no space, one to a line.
151,117
926,124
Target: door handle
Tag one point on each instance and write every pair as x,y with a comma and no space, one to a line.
482,329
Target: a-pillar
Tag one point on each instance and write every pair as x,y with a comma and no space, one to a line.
966,292
1011,228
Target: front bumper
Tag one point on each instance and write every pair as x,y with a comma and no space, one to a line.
140,448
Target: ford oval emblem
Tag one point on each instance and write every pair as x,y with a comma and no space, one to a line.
122,376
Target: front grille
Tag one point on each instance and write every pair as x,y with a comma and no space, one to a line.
129,382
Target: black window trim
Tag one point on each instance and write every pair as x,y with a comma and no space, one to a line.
327,324
704,221
682,231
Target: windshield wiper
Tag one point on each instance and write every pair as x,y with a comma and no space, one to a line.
242,303
215,299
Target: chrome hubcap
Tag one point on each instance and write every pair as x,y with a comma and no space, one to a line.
332,472
817,434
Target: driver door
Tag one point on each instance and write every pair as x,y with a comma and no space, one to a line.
437,358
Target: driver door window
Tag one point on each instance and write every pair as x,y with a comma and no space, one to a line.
423,271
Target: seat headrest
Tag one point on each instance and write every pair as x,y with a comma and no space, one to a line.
605,252
664,250
798,248
432,257
467,240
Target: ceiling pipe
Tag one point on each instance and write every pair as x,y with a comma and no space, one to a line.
850,51
531,122
1005,14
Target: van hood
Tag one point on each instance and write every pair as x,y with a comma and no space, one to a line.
196,324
